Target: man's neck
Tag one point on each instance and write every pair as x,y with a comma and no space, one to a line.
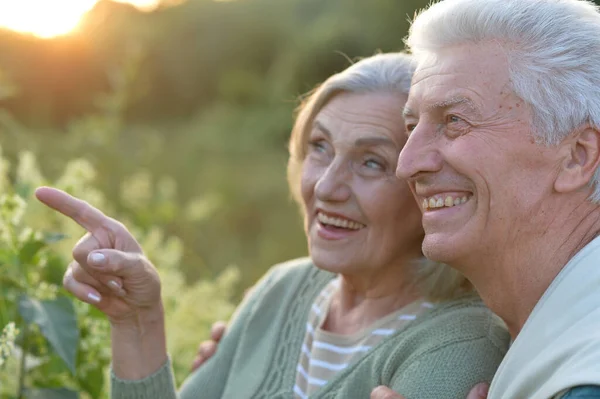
515,279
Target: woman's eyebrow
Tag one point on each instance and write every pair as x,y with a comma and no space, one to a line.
321,127
373,141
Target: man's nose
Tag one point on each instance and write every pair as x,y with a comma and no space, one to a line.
419,155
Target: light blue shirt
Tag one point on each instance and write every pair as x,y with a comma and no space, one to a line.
584,392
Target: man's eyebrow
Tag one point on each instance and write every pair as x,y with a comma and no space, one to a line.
321,127
458,100
407,112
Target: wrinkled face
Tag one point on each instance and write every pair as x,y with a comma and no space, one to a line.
471,160
359,216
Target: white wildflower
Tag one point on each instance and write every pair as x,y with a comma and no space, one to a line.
7,339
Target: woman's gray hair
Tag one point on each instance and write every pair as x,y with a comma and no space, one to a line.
389,72
553,50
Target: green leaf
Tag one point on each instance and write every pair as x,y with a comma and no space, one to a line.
50,238
6,256
61,393
29,250
55,269
23,190
58,324
93,383
8,281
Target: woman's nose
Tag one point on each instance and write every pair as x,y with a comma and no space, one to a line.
334,183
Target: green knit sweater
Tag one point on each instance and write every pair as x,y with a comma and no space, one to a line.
440,355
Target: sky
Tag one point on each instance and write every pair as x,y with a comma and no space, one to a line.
51,18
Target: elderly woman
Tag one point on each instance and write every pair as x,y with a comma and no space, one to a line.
365,309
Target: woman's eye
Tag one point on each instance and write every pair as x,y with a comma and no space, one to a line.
410,127
372,164
317,146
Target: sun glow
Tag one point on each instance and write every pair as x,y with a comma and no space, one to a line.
51,18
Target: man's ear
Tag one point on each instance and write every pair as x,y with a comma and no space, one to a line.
581,158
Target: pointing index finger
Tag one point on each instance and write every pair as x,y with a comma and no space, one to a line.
80,211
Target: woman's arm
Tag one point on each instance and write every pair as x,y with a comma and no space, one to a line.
139,349
210,380
109,271
450,371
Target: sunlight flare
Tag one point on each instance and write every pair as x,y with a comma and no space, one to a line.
51,18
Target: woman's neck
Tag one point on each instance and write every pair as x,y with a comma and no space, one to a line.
359,301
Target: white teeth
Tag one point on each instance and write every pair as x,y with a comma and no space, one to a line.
440,202
338,222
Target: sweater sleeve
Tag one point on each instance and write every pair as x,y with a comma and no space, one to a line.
207,381
465,364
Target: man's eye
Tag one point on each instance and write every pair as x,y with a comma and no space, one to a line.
456,126
410,127
453,119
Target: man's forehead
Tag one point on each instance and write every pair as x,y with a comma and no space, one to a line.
450,79
466,62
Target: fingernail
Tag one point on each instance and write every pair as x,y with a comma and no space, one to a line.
114,285
93,297
378,392
483,390
97,259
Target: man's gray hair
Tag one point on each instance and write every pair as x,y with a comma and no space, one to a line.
553,50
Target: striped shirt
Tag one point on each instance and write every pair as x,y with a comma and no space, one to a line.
324,354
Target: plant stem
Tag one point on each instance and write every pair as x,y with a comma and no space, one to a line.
24,348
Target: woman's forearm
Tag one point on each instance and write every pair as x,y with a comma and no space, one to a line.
139,346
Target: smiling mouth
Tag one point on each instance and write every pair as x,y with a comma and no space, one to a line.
444,201
338,222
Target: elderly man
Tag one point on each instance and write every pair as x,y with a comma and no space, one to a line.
505,111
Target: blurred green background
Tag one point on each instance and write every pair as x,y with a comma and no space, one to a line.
200,99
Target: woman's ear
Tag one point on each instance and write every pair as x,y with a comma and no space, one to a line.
581,159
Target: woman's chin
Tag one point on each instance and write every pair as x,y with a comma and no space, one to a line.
331,261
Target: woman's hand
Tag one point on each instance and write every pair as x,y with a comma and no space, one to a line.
208,348
109,269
